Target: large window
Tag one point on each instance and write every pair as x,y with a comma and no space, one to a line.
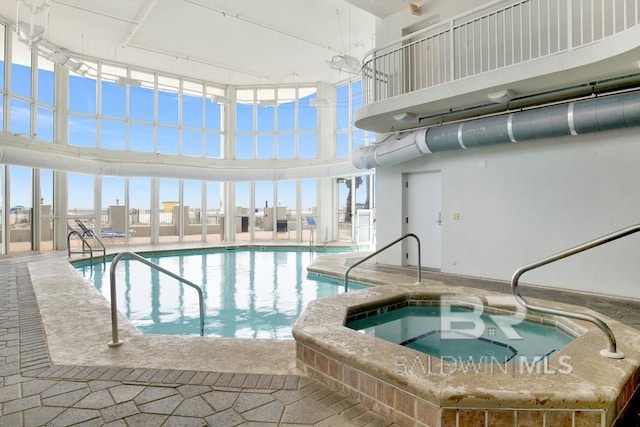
20,88
276,123
348,101
121,112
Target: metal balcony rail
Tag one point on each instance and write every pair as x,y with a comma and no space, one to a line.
493,36
611,351
115,342
382,249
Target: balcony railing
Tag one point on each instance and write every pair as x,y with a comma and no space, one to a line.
494,36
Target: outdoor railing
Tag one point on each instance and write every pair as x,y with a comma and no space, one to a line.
491,37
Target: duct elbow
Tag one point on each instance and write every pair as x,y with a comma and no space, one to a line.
364,157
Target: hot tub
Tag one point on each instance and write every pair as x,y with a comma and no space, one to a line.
573,385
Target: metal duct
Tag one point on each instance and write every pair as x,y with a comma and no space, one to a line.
394,152
573,118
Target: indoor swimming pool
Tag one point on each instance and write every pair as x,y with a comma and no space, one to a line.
248,292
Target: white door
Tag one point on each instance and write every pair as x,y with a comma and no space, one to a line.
423,199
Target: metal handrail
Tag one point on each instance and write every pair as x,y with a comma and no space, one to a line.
611,351
88,232
84,244
115,342
384,248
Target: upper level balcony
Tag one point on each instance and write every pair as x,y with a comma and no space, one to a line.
507,55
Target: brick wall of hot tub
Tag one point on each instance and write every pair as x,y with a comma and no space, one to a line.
407,409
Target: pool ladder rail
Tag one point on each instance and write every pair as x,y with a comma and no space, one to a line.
611,351
382,249
86,245
115,341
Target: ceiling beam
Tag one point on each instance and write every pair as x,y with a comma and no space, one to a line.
139,20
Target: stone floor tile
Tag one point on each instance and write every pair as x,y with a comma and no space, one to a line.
224,380
305,411
41,415
152,393
98,400
271,412
119,411
62,387
331,399
159,376
188,391
194,407
185,377
66,399
288,396
353,412
116,423
178,421
371,419
36,386
277,382
74,416
221,400
171,377
11,392
145,420
237,380
162,406
248,401
211,378
21,404
11,420
198,378
125,392
98,385
228,418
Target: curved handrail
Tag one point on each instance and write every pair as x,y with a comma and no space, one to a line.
115,342
92,235
611,351
85,244
384,248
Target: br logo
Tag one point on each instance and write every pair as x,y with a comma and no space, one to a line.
465,317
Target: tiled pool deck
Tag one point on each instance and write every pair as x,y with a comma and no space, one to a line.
36,391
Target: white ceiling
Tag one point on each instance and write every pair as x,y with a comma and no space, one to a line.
224,41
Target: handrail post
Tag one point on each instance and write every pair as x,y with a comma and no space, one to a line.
115,342
611,351
384,248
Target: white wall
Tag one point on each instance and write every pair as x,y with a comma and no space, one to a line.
522,202
390,28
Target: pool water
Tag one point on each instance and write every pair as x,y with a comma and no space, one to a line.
463,334
248,292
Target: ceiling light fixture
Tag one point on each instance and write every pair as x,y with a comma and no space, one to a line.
501,96
267,103
404,117
126,81
345,63
219,99
321,102
32,17
72,64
